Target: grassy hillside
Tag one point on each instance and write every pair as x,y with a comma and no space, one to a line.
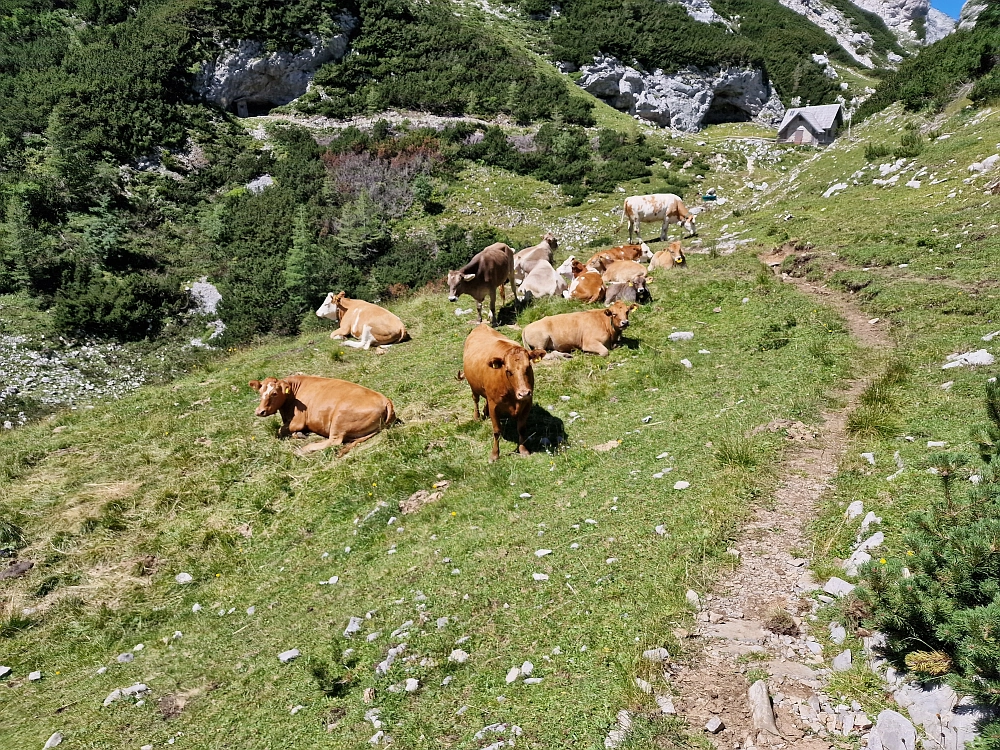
183,478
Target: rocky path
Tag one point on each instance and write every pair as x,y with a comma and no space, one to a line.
770,591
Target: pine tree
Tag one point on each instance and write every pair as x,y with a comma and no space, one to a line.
300,264
939,605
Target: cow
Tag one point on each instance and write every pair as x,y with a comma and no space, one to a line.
543,281
664,207
490,268
622,270
587,286
362,320
634,290
344,413
671,257
566,269
622,252
593,331
525,260
499,370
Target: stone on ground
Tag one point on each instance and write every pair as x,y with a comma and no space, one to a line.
892,731
842,661
286,656
52,741
714,725
761,710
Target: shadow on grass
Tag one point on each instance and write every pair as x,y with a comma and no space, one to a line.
545,431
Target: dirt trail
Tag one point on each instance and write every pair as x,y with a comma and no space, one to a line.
773,576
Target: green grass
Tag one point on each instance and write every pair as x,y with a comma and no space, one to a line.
134,492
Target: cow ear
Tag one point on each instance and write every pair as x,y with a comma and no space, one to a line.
468,276
607,311
496,363
255,384
536,354
632,307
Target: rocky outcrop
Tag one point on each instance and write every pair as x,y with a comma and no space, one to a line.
970,14
701,10
939,25
263,80
685,100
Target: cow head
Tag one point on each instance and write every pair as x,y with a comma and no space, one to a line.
688,223
273,393
677,254
515,366
600,262
456,283
618,313
550,240
577,268
647,254
330,308
641,290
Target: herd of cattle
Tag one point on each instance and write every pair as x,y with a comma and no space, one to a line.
496,368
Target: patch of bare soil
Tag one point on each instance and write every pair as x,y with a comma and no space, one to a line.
769,592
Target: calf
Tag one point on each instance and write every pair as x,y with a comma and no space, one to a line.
491,268
663,207
362,320
499,370
587,286
622,270
634,290
525,260
344,413
543,281
622,252
669,258
593,331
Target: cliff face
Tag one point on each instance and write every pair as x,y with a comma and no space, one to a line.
970,13
686,100
247,72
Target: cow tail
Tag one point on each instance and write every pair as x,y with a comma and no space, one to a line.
460,376
403,336
390,413
624,217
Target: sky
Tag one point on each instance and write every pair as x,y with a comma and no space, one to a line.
951,7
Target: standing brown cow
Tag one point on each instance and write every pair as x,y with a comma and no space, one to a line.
491,268
499,370
345,413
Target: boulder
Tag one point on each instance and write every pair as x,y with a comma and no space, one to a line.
892,731
249,73
970,14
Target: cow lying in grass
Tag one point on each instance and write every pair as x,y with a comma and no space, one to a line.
344,413
362,320
672,257
587,286
500,371
593,331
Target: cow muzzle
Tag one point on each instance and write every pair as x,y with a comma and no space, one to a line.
452,298
261,413
624,325
523,395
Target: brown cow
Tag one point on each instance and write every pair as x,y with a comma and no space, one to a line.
621,252
488,269
587,286
362,320
499,370
672,257
345,413
525,260
627,291
622,270
593,331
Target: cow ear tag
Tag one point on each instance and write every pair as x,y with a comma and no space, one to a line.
287,390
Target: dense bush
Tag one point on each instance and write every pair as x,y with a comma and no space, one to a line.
932,77
941,616
416,56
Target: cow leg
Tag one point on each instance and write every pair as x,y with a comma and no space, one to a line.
367,339
475,405
321,445
493,307
514,292
597,348
341,332
479,310
522,434
496,434
347,447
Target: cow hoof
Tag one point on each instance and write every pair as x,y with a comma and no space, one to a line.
493,458
524,451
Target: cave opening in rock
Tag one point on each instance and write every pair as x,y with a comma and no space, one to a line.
724,110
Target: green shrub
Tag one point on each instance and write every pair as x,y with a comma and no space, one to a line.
941,616
910,145
128,308
877,151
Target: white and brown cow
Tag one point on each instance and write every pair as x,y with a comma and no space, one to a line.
543,281
369,323
663,207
